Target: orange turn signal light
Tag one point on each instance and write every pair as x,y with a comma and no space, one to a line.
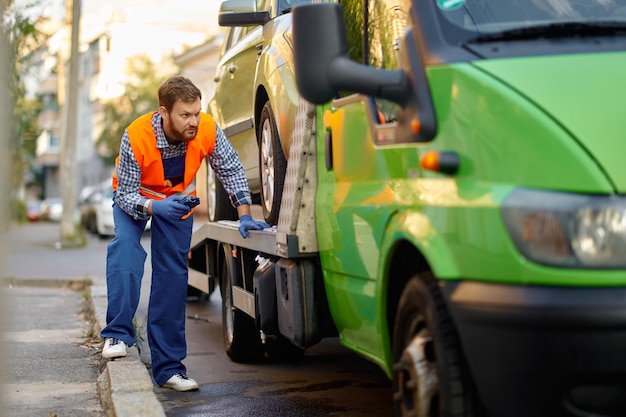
446,162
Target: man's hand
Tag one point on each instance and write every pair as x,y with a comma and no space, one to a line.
169,208
246,223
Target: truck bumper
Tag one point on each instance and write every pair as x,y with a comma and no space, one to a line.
543,351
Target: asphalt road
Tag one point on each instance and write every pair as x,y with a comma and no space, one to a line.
329,381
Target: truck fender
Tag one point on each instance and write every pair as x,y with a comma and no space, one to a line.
412,233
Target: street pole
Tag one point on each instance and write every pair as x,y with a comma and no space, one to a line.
69,232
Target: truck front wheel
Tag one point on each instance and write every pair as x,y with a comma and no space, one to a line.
430,377
241,338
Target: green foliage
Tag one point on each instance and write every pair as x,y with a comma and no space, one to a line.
353,16
140,97
23,35
23,40
385,23
28,128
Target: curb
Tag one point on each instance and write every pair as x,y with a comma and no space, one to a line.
125,387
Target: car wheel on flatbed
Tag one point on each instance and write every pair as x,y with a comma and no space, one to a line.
272,164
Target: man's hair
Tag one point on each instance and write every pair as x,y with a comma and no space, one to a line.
176,88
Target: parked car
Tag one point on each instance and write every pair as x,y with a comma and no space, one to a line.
96,211
33,210
51,209
255,99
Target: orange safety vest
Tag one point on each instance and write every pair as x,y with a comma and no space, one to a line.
143,143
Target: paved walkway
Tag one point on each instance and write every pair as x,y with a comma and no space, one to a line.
50,368
54,367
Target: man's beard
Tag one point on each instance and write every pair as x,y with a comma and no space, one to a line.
186,135
183,135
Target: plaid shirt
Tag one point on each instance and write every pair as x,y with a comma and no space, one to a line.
224,161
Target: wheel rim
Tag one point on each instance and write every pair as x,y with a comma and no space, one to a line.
211,193
417,388
267,165
228,311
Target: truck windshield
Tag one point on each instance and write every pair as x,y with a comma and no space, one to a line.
513,17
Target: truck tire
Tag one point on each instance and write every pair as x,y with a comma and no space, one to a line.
280,349
218,203
272,165
430,376
241,338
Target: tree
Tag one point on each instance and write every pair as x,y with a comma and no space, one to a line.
23,38
140,97
26,111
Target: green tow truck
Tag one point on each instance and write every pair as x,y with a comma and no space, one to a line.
454,207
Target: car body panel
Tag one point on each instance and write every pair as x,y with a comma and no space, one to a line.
233,112
256,68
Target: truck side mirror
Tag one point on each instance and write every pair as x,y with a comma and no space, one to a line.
322,66
241,13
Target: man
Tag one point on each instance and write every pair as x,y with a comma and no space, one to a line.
160,155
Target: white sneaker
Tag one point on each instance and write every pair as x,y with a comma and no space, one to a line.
180,382
113,348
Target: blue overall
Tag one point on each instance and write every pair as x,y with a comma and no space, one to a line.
166,310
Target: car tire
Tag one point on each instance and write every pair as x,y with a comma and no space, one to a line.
272,165
218,203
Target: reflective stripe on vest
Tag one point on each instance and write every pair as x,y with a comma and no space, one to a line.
191,188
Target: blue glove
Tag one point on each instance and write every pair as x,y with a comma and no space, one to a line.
246,223
169,208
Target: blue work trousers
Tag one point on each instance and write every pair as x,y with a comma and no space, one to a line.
126,257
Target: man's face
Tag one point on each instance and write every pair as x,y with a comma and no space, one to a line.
181,124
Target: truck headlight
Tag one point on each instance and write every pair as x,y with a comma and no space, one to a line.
568,230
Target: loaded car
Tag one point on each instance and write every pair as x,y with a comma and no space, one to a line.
255,99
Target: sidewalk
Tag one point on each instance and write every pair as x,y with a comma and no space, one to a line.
35,269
